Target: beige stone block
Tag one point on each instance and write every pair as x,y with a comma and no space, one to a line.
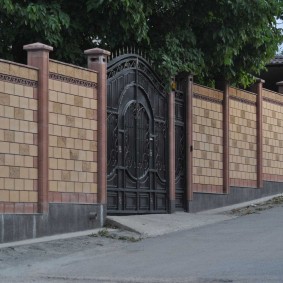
9,136
66,131
52,141
56,107
19,113
65,175
71,165
33,173
78,100
28,161
62,97
9,112
75,155
57,86
2,185
61,141
33,197
79,168
53,164
78,187
4,171
86,188
9,88
24,102
2,159
9,184
93,104
93,188
28,91
19,160
57,175
24,126
33,74
70,99
53,186
14,196
74,89
62,164
79,122
66,110
14,148
33,104
28,138
74,132
65,153
53,67
24,149
53,96
4,195
82,112
4,99
33,127
13,101
94,167
5,124
70,187
66,87
70,121
24,196
29,115
75,176
9,160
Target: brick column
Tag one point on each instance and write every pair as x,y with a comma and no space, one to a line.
38,56
257,88
96,59
226,119
171,155
189,139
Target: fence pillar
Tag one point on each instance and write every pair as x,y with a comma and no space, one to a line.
226,149
171,155
97,61
189,139
257,88
280,87
38,56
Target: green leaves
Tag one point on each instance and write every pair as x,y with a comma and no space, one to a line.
228,39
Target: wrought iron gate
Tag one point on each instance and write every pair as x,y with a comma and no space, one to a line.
137,138
180,144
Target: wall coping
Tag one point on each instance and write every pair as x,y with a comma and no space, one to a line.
73,66
18,64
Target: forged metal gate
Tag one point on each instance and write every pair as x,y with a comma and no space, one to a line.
137,138
180,144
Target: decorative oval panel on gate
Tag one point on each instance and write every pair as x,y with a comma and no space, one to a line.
137,138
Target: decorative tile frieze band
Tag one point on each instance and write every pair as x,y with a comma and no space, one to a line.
207,98
243,100
18,80
270,100
71,80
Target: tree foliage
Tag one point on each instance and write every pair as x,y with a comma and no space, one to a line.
221,39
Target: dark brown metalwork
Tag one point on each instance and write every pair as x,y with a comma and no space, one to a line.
180,144
137,138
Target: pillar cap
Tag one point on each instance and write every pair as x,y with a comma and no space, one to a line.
279,83
97,52
37,46
259,80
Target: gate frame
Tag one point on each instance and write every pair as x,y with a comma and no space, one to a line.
170,135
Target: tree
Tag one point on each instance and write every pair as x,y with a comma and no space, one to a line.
221,39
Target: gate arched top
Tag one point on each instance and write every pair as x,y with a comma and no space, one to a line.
135,62
123,98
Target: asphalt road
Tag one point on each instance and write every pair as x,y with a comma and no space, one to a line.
246,249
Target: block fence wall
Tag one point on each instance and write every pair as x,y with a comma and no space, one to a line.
253,152
49,140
